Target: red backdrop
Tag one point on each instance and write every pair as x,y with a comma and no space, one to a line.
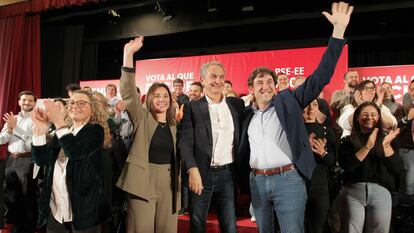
399,76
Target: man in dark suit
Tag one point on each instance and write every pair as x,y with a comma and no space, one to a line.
275,149
208,141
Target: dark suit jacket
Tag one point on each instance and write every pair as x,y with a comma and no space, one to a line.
89,205
289,105
196,139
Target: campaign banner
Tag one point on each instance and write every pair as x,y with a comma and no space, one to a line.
238,67
399,76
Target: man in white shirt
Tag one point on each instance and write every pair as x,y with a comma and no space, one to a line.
209,136
20,186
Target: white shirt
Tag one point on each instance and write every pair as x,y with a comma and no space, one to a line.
59,199
349,109
269,147
21,139
222,128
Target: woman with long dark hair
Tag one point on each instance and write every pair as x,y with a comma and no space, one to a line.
151,172
370,162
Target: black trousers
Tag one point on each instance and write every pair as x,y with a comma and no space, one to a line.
2,205
21,194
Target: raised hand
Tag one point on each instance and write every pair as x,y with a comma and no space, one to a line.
386,142
341,14
358,97
130,48
40,122
55,112
11,120
134,45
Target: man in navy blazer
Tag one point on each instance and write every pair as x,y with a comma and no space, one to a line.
209,136
275,153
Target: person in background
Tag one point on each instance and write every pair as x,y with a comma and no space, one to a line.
282,81
178,86
3,156
405,118
21,188
72,198
111,93
72,87
365,91
151,172
228,88
87,88
389,99
323,146
340,98
371,164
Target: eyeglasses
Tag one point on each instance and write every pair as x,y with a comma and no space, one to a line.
79,103
369,88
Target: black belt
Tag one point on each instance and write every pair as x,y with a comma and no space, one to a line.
222,167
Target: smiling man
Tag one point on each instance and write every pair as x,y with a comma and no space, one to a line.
20,185
208,139
275,152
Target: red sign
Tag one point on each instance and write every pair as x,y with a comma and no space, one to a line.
399,76
238,66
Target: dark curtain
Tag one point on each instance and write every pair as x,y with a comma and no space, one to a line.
19,59
61,58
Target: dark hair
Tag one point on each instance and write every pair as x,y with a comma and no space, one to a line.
349,71
112,85
360,139
260,72
72,87
178,80
58,99
138,90
198,84
150,105
228,82
360,87
27,93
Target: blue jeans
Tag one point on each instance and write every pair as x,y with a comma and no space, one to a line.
365,207
219,186
285,194
408,158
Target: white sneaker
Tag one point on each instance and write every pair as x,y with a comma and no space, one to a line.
253,219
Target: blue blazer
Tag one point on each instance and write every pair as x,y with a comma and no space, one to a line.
289,105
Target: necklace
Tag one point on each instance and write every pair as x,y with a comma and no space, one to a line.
162,124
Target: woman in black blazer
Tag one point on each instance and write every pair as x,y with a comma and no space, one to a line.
73,198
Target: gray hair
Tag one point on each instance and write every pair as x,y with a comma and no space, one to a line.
205,66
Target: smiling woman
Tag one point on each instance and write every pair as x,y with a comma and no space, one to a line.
72,197
151,171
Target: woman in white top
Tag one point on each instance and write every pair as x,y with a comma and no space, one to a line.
365,92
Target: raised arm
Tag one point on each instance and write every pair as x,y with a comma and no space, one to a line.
127,84
312,87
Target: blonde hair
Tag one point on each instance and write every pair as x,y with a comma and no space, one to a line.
99,115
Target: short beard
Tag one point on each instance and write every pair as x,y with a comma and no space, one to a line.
350,85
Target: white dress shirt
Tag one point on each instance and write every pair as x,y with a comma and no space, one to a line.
222,129
21,139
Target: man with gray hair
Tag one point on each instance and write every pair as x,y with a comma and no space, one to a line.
209,137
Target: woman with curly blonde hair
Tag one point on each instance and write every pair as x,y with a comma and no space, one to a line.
72,198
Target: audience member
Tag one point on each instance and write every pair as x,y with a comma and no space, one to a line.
370,164
20,187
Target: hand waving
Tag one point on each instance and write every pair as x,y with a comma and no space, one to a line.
134,45
341,14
